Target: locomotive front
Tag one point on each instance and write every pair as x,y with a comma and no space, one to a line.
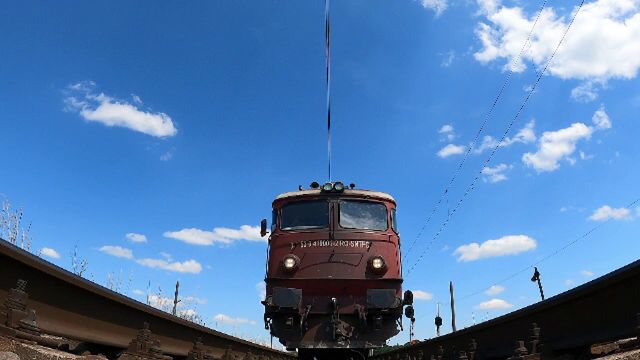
334,276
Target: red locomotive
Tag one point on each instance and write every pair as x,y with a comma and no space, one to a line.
334,277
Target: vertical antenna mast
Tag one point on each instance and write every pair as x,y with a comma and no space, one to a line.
328,65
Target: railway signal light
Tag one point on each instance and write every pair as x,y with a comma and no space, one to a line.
536,278
408,298
409,312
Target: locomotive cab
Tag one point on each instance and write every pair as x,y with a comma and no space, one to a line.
333,277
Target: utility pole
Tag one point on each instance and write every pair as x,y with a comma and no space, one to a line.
175,299
536,277
453,308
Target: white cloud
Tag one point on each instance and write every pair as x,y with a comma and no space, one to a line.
137,292
451,149
49,252
606,212
447,132
600,119
488,6
104,109
446,129
136,238
584,156
494,290
447,58
524,136
422,295
586,273
188,313
231,320
136,99
261,288
194,300
494,304
604,41
506,245
438,6
495,174
569,283
217,235
160,302
166,156
555,146
585,92
189,266
117,251
166,256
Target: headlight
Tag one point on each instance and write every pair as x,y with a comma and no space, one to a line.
327,187
377,264
338,186
290,263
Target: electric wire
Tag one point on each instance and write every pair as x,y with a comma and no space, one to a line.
471,186
471,146
546,257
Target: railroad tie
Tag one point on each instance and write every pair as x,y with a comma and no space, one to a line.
144,346
18,321
471,351
199,351
534,340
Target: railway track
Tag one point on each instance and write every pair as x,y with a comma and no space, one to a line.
591,320
45,304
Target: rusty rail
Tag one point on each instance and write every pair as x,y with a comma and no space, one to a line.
37,297
602,310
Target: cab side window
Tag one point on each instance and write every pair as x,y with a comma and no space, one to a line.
274,220
394,224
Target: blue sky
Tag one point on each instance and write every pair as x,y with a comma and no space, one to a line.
179,125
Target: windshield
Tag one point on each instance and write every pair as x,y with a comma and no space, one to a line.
305,215
363,215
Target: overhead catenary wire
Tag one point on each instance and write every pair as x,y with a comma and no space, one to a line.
328,79
471,186
471,146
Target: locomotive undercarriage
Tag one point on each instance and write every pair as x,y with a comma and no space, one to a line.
322,322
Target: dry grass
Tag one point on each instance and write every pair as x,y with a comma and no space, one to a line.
79,264
12,226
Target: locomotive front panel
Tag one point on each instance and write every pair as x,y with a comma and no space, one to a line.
334,271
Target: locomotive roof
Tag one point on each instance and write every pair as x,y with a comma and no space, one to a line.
348,192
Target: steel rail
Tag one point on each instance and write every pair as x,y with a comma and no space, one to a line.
72,307
604,309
